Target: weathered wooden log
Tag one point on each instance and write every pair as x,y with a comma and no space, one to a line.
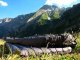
28,51
29,41
45,40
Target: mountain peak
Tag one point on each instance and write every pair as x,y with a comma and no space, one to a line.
49,7
43,9
5,20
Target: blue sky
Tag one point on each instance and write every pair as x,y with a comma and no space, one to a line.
18,7
13,8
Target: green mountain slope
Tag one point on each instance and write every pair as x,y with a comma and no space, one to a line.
70,20
48,19
43,21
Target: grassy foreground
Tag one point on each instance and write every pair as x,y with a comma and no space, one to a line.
74,56
43,57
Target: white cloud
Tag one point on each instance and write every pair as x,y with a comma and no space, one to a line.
61,3
2,3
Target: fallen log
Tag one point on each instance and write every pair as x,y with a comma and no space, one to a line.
33,51
48,40
29,41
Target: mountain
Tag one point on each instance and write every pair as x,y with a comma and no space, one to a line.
5,20
43,21
54,20
29,24
70,20
10,25
46,9
48,19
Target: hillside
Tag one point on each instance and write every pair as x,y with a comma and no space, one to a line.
25,25
10,25
59,21
70,20
48,19
43,21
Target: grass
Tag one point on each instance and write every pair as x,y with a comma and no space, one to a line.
2,42
74,56
77,36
